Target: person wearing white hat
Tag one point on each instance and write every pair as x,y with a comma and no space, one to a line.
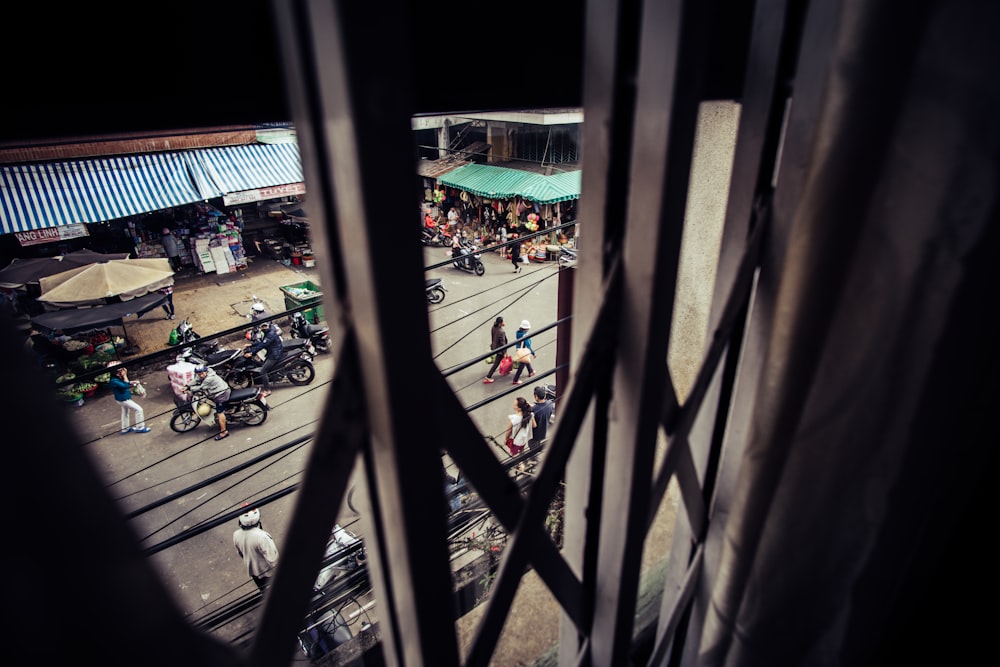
256,547
523,352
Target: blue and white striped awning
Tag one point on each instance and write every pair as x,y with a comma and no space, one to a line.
236,168
38,196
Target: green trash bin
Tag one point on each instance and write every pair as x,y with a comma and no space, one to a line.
305,294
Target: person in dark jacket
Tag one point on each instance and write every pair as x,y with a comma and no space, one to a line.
544,411
498,338
275,349
515,254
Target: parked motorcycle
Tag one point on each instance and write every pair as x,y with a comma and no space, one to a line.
245,406
220,360
345,552
470,260
317,334
295,367
566,255
184,334
435,290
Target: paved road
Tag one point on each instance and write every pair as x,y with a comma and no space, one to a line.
204,572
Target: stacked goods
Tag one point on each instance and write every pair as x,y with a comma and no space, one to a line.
181,374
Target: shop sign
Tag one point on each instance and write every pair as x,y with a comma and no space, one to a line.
50,234
261,194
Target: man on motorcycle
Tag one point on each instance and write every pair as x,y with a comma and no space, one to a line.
217,389
275,348
456,250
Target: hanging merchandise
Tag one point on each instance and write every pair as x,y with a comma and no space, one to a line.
511,213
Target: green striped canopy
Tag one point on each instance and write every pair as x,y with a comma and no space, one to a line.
503,183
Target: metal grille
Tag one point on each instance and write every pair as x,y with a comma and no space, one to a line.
551,145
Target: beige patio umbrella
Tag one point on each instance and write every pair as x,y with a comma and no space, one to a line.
124,278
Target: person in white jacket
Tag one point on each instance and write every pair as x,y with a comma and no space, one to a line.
257,548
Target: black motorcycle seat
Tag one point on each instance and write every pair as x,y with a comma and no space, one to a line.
215,357
237,395
431,282
313,329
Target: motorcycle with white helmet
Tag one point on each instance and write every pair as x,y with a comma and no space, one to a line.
244,406
317,334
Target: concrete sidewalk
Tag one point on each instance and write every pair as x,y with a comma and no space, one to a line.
213,302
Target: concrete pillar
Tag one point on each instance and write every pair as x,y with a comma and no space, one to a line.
496,136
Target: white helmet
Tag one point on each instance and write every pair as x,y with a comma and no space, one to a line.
204,409
258,307
250,518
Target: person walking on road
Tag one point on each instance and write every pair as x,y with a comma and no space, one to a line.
217,389
257,548
515,254
520,426
544,412
122,388
168,305
498,338
524,343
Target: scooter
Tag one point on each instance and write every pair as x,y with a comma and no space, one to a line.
184,334
345,552
245,406
470,260
566,255
295,367
435,290
317,334
438,236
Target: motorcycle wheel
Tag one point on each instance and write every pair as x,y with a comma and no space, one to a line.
256,413
435,295
301,373
184,421
238,380
480,269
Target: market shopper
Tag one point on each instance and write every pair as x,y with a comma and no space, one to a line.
256,547
523,352
515,254
171,246
498,338
122,388
520,426
544,411
168,305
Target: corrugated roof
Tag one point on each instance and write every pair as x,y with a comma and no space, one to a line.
440,167
503,183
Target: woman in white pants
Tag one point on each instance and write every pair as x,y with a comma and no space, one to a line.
122,387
